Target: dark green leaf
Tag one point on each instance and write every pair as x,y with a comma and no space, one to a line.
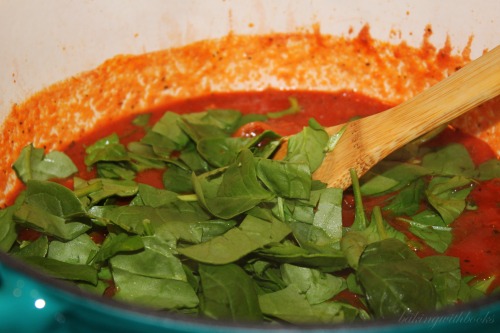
63,270
228,294
76,251
288,180
106,149
489,170
330,261
447,196
452,160
252,234
156,260
395,280
34,164
114,244
153,292
388,176
408,200
52,209
316,285
8,233
36,248
231,191
308,146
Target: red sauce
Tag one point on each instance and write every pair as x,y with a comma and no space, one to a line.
476,234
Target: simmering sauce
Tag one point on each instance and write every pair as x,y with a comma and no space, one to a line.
476,234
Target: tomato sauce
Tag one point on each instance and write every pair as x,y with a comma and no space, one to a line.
476,234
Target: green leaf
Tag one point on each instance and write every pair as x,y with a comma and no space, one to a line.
34,164
178,180
36,248
389,176
64,270
8,233
166,264
308,146
114,244
448,195
287,252
228,294
53,209
292,306
152,292
181,222
447,278
229,192
215,123
395,280
76,251
107,149
408,200
288,180
452,160
316,285
252,234
328,216
98,189
221,151
489,170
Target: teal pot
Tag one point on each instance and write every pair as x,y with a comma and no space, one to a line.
32,302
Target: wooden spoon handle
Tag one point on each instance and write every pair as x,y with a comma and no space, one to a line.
368,140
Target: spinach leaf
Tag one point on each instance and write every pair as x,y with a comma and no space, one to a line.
93,191
178,179
448,196
8,233
489,170
36,248
166,136
308,146
354,242
228,294
287,252
221,151
53,209
408,200
233,190
452,160
34,164
389,176
215,123
395,280
316,285
291,305
288,180
446,280
117,243
180,222
152,292
328,215
166,264
430,227
253,233
64,270
107,149
76,251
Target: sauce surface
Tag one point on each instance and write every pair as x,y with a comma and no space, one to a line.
476,234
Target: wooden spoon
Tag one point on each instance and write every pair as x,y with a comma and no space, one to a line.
368,140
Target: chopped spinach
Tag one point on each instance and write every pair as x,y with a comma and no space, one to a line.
236,235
